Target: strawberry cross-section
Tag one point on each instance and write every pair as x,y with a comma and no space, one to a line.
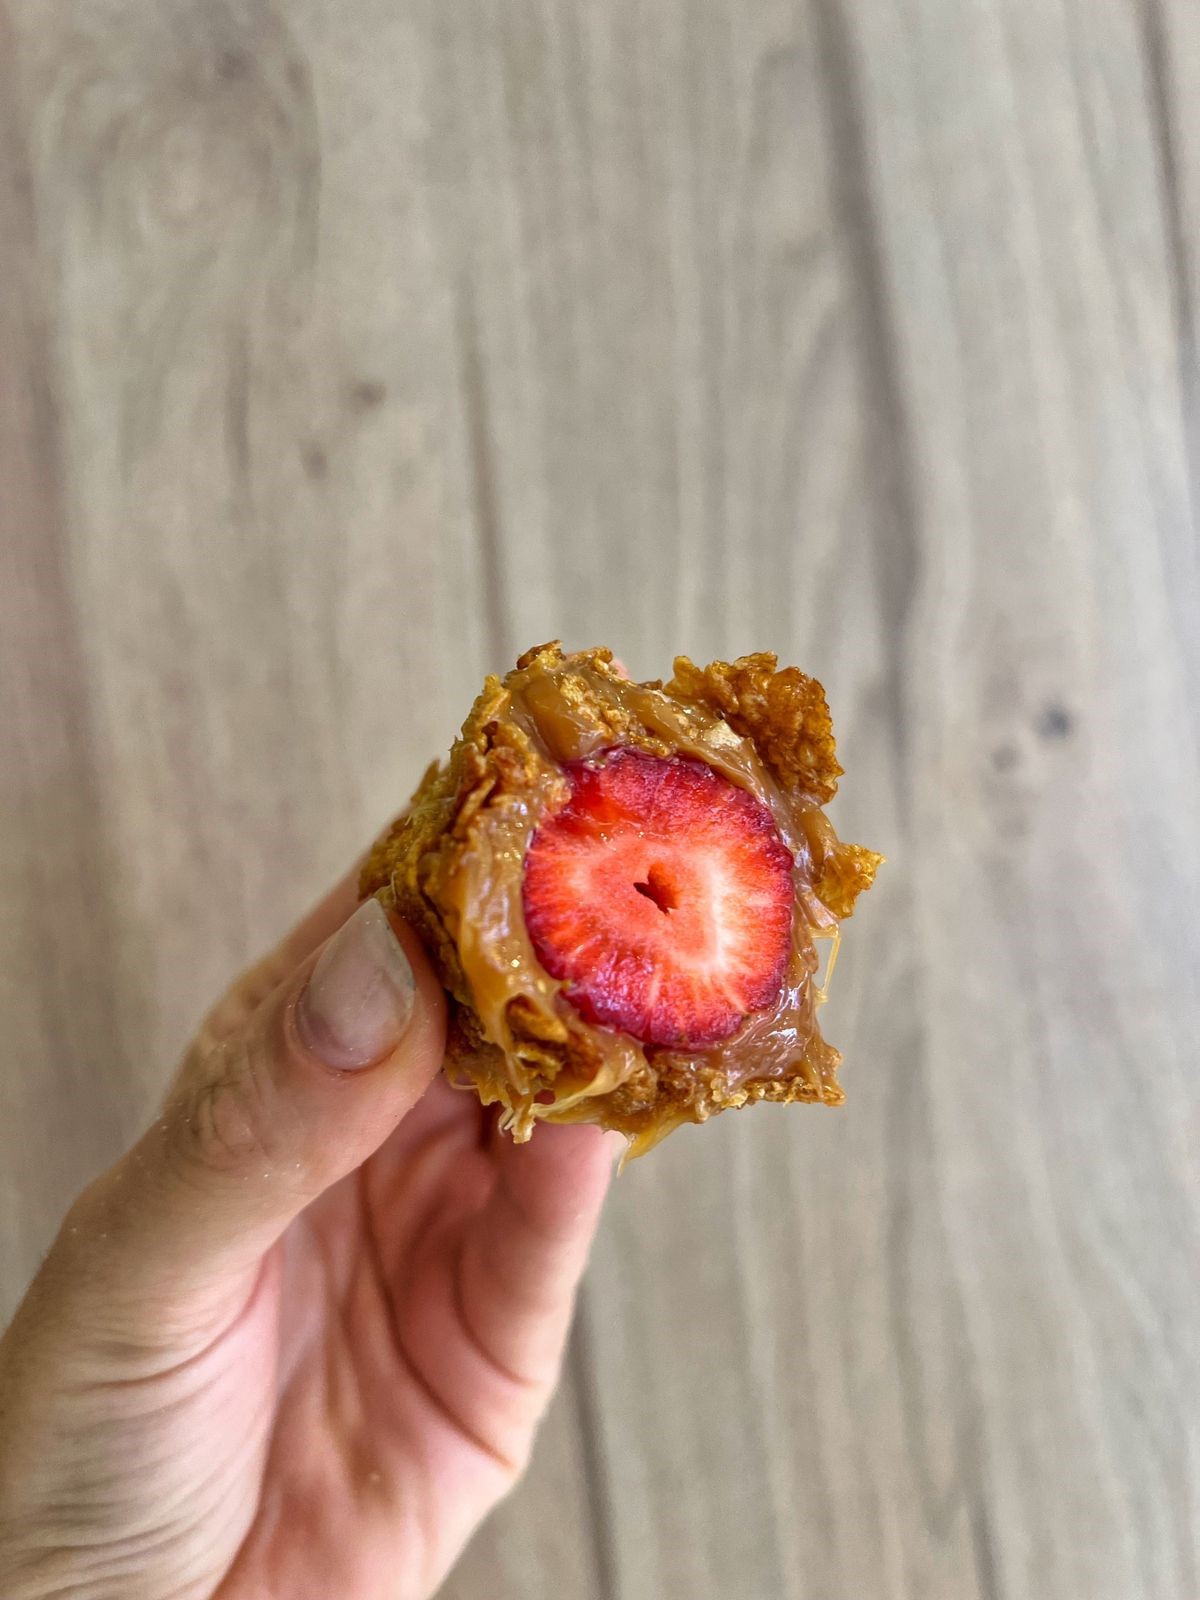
662,895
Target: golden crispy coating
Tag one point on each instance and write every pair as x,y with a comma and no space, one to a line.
784,714
453,864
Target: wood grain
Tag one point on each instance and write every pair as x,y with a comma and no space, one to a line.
351,349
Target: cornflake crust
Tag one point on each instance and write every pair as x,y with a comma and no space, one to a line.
453,867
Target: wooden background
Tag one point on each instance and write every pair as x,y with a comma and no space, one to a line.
347,347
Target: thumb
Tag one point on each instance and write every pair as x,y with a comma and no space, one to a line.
268,1114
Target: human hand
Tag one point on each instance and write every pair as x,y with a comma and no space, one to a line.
296,1343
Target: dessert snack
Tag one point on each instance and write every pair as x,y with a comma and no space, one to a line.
622,886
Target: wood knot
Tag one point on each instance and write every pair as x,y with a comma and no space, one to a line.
1054,722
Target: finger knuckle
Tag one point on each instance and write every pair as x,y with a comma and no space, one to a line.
223,1120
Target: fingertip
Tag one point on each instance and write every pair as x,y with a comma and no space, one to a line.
431,993
561,1174
618,1146
358,1001
426,1036
563,1144
368,998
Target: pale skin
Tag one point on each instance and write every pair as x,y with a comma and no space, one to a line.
295,1344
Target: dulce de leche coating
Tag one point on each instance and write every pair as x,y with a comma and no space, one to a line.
453,866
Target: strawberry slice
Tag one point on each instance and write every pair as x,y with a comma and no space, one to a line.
662,895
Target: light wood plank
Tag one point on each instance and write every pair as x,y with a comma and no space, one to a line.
56,911
257,369
959,1360
1053,674
1172,36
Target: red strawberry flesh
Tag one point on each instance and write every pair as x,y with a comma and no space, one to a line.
662,896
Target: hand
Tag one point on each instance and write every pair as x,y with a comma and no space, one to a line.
296,1343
